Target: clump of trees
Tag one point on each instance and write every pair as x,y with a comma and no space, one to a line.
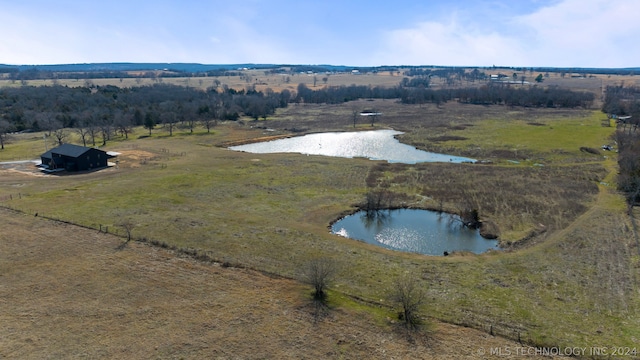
622,102
105,110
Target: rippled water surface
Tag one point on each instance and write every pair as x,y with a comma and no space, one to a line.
374,145
419,231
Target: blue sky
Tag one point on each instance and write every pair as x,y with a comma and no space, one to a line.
555,33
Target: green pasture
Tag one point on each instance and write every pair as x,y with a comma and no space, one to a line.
575,285
550,138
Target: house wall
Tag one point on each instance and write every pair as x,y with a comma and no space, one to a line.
91,159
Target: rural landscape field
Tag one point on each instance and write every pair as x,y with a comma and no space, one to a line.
183,248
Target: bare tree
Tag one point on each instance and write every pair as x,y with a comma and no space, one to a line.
208,115
47,121
410,297
319,273
169,121
61,134
124,123
468,212
189,115
127,225
377,200
5,129
84,134
168,117
88,126
106,126
354,115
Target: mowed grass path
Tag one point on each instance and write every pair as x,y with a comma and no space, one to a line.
271,212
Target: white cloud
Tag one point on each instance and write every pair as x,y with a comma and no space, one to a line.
585,33
434,43
570,33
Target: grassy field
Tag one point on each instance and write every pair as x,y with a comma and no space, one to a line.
573,284
69,293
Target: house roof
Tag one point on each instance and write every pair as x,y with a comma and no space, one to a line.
68,150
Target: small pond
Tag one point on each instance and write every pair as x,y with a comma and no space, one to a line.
411,230
374,145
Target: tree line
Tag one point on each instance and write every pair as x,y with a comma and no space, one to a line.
34,73
416,92
623,104
98,112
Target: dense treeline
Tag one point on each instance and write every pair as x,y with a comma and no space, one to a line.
35,73
623,103
530,97
498,93
629,162
451,74
102,110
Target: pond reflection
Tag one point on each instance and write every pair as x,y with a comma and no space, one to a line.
374,145
412,230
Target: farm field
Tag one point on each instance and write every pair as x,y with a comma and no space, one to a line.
567,277
262,80
69,293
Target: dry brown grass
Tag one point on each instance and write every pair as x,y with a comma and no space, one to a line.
519,200
270,212
66,292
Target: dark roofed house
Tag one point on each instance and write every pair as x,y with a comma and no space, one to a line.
74,158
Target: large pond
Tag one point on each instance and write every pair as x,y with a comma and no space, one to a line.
374,145
411,230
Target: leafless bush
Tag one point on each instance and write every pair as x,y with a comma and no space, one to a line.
319,272
128,226
377,200
410,297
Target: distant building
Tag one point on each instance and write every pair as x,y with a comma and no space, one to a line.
71,157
